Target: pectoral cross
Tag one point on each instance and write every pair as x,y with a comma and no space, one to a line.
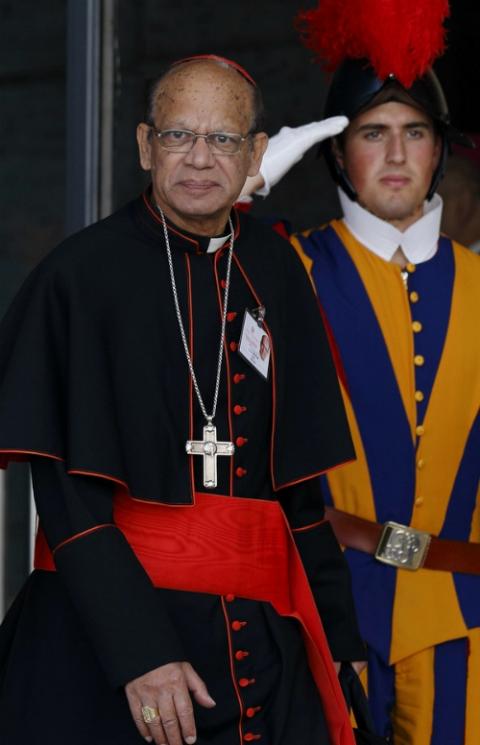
210,448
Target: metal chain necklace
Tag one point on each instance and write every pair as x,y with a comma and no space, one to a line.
209,447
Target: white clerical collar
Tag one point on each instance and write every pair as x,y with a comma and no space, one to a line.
216,243
419,242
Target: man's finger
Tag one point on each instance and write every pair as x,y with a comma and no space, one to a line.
157,734
136,711
151,712
169,722
197,687
186,719
334,125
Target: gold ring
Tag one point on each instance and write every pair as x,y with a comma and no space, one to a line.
149,714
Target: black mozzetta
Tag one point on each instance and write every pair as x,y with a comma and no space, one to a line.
92,369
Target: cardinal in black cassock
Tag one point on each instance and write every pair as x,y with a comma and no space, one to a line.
138,562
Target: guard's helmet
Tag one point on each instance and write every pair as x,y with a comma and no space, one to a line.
356,87
382,50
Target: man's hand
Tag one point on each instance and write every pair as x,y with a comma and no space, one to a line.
288,147
167,691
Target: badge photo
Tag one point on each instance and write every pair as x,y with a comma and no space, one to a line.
255,345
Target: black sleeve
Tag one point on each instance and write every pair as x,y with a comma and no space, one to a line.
116,602
326,568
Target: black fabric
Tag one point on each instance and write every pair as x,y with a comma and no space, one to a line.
330,581
92,371
357,702
114,597
325,566
109,387
53,667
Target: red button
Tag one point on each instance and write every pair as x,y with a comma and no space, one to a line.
240,441
223,284
237,409
240,472
229,598
252,710
241,654
231,315
233,346
250,737
245,682
237,625
238,377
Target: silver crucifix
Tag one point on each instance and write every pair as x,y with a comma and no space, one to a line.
209,447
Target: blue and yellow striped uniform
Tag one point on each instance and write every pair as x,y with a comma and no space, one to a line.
411,356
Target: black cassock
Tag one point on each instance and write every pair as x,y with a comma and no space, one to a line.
95,391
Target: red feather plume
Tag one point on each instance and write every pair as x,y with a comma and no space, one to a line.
402,37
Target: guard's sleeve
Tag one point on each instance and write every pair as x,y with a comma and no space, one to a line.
326,568
115,600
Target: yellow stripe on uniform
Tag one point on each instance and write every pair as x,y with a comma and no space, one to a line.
386,291
426,611
431,595
306,260
414,698
350,485
458,372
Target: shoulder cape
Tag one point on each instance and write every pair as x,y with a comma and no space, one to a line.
85,353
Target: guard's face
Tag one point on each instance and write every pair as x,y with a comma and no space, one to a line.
197,189
390,154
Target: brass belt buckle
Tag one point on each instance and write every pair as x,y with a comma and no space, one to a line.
402,547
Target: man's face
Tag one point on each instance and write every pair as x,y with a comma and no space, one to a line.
197,189
264,346
390,154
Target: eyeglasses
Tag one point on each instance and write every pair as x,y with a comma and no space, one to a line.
183,140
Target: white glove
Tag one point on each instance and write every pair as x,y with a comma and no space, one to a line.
290,145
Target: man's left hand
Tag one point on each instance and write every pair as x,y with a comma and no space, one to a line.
166,692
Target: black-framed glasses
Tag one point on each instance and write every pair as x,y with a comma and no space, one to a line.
182,140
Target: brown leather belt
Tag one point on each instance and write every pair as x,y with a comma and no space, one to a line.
373,538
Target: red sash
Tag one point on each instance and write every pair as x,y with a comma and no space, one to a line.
236,546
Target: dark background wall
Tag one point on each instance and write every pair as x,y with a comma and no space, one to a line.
459,68
32,130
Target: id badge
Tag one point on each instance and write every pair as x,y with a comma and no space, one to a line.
255,342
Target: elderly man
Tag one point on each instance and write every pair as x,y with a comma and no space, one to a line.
402,302
176,477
